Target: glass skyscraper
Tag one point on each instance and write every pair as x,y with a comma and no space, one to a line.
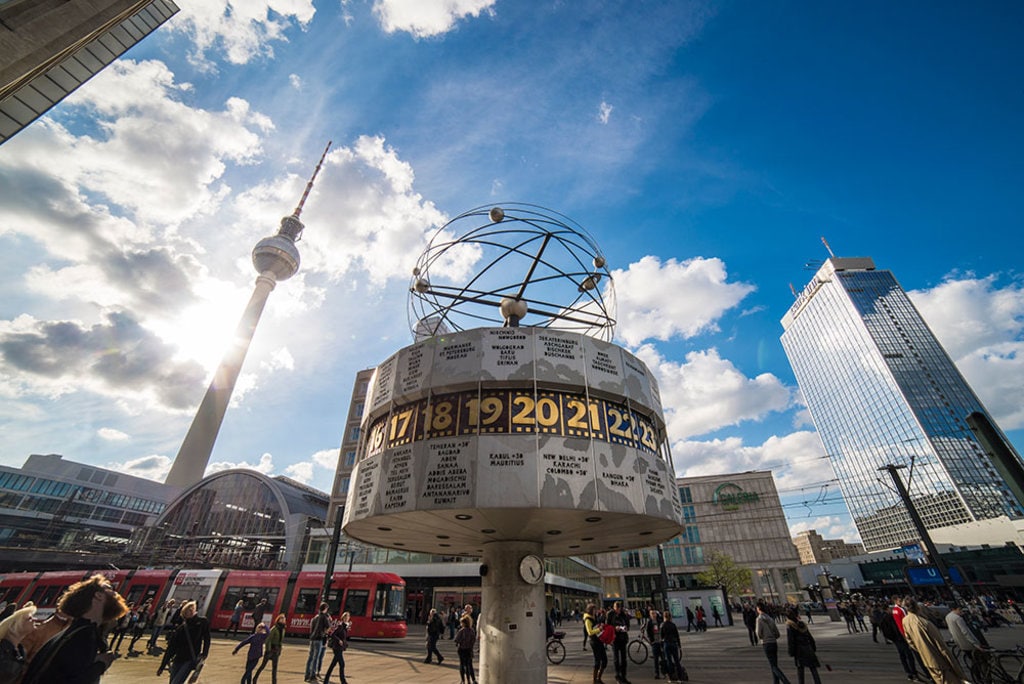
881,390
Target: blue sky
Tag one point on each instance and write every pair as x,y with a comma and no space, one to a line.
706,146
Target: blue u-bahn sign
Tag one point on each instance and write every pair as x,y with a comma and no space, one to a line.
928,575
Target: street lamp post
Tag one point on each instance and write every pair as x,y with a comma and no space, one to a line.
332,553
922,531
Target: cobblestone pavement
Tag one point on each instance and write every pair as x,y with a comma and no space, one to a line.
718,656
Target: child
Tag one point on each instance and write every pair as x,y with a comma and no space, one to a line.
464,639
255,641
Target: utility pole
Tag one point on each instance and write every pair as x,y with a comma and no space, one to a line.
922,531
664,580
332,553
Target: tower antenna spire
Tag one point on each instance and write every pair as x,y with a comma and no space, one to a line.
823,240
309,185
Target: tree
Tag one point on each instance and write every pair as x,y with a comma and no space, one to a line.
724,573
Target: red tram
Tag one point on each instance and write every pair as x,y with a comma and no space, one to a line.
376,600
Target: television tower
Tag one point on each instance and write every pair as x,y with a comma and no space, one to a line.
275,258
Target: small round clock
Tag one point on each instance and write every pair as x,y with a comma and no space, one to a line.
531,569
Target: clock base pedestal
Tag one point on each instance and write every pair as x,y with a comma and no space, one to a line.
512,617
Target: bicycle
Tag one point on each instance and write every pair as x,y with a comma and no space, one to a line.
637,649
1008,666
555,648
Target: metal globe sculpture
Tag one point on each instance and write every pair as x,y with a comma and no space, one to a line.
535,267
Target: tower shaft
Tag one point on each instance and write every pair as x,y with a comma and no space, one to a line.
194,454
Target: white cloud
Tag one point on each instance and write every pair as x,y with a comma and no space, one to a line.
150,467
683,298
326,458
604,112
281,359
795,459
112,435
302,471
241,31
981,325
295,81
265,465
707,392
829,527
426,18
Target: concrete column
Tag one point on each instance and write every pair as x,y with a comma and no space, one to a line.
512,629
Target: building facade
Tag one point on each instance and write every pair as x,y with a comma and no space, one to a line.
813,548
349,442
57,514
50,47
882,390
738,515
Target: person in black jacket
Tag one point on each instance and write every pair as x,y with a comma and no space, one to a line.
338,641
435,628
619,619
891,631
801,647
187,646
318,628
79,654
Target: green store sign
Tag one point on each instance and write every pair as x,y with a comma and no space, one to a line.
731,496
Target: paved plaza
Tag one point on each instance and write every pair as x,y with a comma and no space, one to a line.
719,656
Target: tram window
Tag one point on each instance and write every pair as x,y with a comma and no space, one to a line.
389,603
139,593
249,596
8,594
306,602
356,601
47,595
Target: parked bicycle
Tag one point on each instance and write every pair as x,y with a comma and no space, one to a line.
999,667
638,649
555,648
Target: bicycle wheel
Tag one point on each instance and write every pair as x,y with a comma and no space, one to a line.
1009,667
556,652
637,651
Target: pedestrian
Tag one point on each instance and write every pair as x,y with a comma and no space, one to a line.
970,643
750,622
142,624
258,612
187,646
236,618
255,642
801,647
272,652
858,614
121,628
673,649
79,654
452,622
338,641
689,619
847,612
925,639
702,623
653,631
768,635
161,622
717,616
465,637
593,628
877,613
807,609
619,619
435,628
318,628
887,626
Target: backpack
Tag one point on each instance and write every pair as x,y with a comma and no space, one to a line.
607,634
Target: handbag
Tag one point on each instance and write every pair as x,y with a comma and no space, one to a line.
607,634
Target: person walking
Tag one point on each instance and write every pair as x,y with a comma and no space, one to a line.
689,619
768,634
801,647
452,622
891,632
187,646
673,650
338,641
255,643
435,628
717,615
593,629
925,639
318,628
619,619
970,643
142,624
750,622
161,622
236,618
465,637
653,632
272,653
